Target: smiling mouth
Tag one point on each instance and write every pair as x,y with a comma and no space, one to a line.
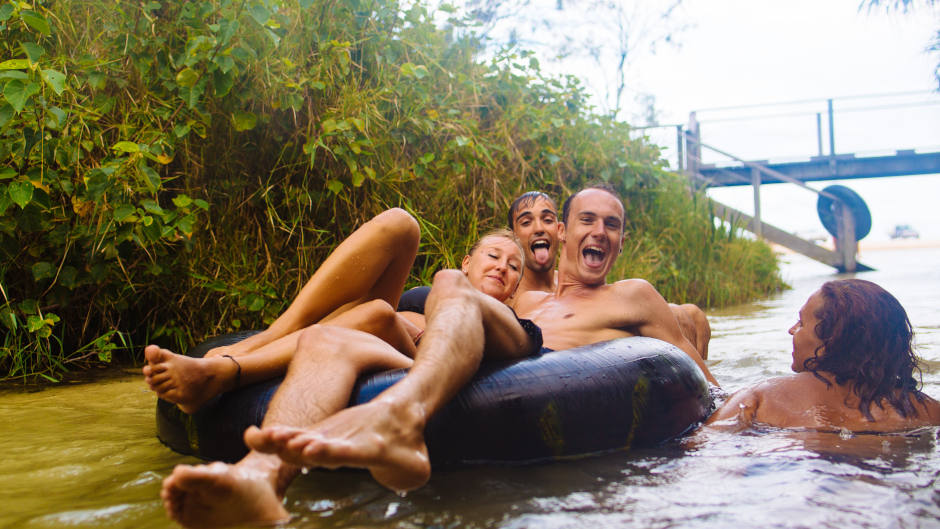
593,256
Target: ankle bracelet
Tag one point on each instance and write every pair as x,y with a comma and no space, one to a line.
238,372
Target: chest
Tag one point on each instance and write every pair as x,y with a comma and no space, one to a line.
598,312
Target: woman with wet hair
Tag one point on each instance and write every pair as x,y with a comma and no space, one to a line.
854,369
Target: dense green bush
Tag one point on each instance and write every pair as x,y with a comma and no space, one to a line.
170,170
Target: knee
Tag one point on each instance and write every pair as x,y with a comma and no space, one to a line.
450,283
698,317
453,288
377,314
400,225
315,342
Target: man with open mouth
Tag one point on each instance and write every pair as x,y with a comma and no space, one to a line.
533,217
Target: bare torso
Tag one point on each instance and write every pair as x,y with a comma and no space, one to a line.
803,401
581,314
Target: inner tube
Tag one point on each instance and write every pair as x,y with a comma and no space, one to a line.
620,394
828,210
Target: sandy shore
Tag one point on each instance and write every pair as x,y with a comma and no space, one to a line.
897,244
865,246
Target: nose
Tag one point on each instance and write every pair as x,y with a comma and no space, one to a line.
793,329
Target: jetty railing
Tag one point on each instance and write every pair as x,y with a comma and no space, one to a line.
843,259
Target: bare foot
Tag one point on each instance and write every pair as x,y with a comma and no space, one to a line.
385,437
219,495
184,381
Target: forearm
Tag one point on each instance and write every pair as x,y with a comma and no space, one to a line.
504,336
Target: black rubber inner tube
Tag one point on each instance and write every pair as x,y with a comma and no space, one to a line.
624,393
828,210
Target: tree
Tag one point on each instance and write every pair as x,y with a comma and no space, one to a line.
593,39
906,6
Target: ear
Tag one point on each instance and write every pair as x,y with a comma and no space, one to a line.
561,232
465,265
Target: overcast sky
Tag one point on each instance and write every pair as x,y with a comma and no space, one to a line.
741,65
760,52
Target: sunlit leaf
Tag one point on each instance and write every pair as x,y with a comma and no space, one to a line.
17,93
55,80
33,51
152,179
357,178
182,201
21,193
244,120
126,146
187,77
14,64
36,21
335,186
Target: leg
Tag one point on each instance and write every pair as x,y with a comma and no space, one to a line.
694,326
385,435
191,382
319,382
372,263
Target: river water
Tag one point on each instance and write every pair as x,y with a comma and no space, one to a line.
86,456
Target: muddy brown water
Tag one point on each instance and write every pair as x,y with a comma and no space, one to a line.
86,455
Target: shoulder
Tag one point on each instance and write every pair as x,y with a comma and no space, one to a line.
738,411
769,402
634,289
930,408
526,300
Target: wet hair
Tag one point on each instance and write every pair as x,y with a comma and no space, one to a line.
524,200
867,340
566,208
506,234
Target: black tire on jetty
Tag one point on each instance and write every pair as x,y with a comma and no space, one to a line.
620,394
828,209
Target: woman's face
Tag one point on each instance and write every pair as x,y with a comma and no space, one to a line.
805,341
495,267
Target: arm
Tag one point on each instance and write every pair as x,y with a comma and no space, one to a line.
504,336
658,321
741,407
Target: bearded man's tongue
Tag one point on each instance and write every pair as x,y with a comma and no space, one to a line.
541,255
